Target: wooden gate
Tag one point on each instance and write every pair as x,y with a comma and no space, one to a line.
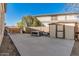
60,31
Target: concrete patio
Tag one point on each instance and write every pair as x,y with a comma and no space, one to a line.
41,46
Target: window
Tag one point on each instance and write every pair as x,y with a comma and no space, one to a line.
61,18
54,17
72,17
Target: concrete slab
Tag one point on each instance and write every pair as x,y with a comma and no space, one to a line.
41,46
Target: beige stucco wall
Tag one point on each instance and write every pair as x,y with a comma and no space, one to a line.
45,20
59,18
1,22
67,18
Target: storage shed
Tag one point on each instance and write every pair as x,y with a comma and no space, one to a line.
65,30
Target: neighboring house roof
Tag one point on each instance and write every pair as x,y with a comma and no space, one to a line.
56,14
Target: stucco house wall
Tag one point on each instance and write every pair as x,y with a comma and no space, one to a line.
69,17
44,20
66,18
2,14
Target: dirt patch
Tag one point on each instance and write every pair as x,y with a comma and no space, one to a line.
8,48
75,50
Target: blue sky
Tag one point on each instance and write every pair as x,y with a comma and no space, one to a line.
15,11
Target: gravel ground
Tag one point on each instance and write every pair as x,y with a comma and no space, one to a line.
7,48
75,50
28,45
